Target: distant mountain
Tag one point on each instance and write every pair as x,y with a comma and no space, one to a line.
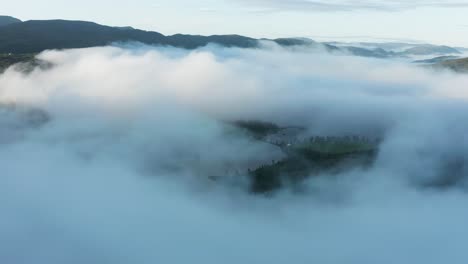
196,41
458,65
398,49
374,53
7,20
390,46
39,35
294,41
437,59
430,49
36,36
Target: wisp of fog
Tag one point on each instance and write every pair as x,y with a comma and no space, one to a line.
106,157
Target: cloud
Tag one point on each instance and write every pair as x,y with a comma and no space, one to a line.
118,171
344,5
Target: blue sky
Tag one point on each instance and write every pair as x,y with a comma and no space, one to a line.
438,21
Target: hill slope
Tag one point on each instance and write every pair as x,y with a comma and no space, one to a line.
35,36
7,20
436,59
458,65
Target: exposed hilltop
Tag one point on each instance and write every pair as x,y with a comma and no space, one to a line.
304,157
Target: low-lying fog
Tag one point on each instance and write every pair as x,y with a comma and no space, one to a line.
105,158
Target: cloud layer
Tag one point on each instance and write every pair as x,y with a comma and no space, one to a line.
346,5
113,165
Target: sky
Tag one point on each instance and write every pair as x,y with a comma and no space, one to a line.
436,21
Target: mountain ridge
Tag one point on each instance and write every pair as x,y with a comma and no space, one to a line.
7,20
34,36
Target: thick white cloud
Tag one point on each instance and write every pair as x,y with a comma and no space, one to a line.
120,172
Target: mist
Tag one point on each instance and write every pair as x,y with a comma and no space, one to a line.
109,156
